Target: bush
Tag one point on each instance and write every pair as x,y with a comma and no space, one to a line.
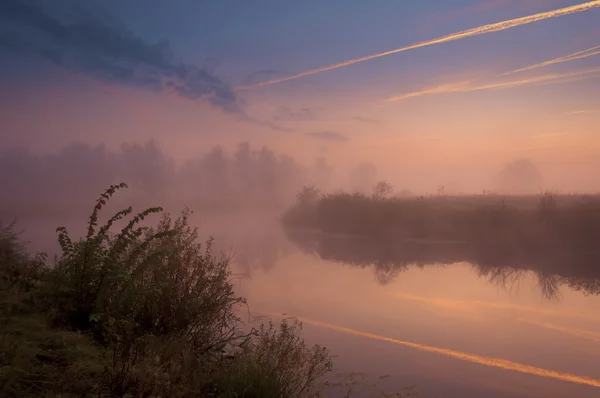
275,364
18,270
145,312
517,222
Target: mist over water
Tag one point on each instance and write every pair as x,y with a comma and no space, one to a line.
417,182
391,305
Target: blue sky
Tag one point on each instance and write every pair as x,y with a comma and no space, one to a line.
169,71
293,36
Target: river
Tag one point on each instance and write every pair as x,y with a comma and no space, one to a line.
451,329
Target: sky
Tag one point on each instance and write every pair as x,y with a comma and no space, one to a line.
454,102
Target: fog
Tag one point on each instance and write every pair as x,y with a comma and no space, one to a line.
242,178
408,195
223,179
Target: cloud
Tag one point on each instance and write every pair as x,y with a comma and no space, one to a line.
365,119
466,86
265,123
490,28
584,111
329,136
463,86
571,57
252,77
107,51
286,114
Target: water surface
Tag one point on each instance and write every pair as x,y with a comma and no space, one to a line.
447,326
447,307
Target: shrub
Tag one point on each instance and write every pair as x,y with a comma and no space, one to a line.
145,312
143,288
275,364
17,267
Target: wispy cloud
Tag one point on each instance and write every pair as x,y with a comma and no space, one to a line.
584,111
363,119
465,86
252,77
494,27
571,57
329,136
287,114
107,51
463,356
265,123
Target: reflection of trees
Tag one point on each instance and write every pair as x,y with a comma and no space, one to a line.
499,265
255,244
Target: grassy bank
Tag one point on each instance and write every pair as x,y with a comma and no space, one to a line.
553,236
147,311
569,222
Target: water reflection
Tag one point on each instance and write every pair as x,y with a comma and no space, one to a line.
437,323
481,360
442,328
579,271
258,243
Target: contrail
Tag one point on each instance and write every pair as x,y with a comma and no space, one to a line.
466,86
576,55
487,361
495,27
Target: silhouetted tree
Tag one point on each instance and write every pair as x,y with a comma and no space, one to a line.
521,176
382,190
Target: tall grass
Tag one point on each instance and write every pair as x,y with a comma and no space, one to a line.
146,311
568,221
555,236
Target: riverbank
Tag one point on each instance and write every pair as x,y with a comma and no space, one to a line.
564,222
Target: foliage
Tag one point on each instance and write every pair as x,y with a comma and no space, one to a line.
275,364
508,222
307,194
18,271
147,311
37,361
382,190
362,384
